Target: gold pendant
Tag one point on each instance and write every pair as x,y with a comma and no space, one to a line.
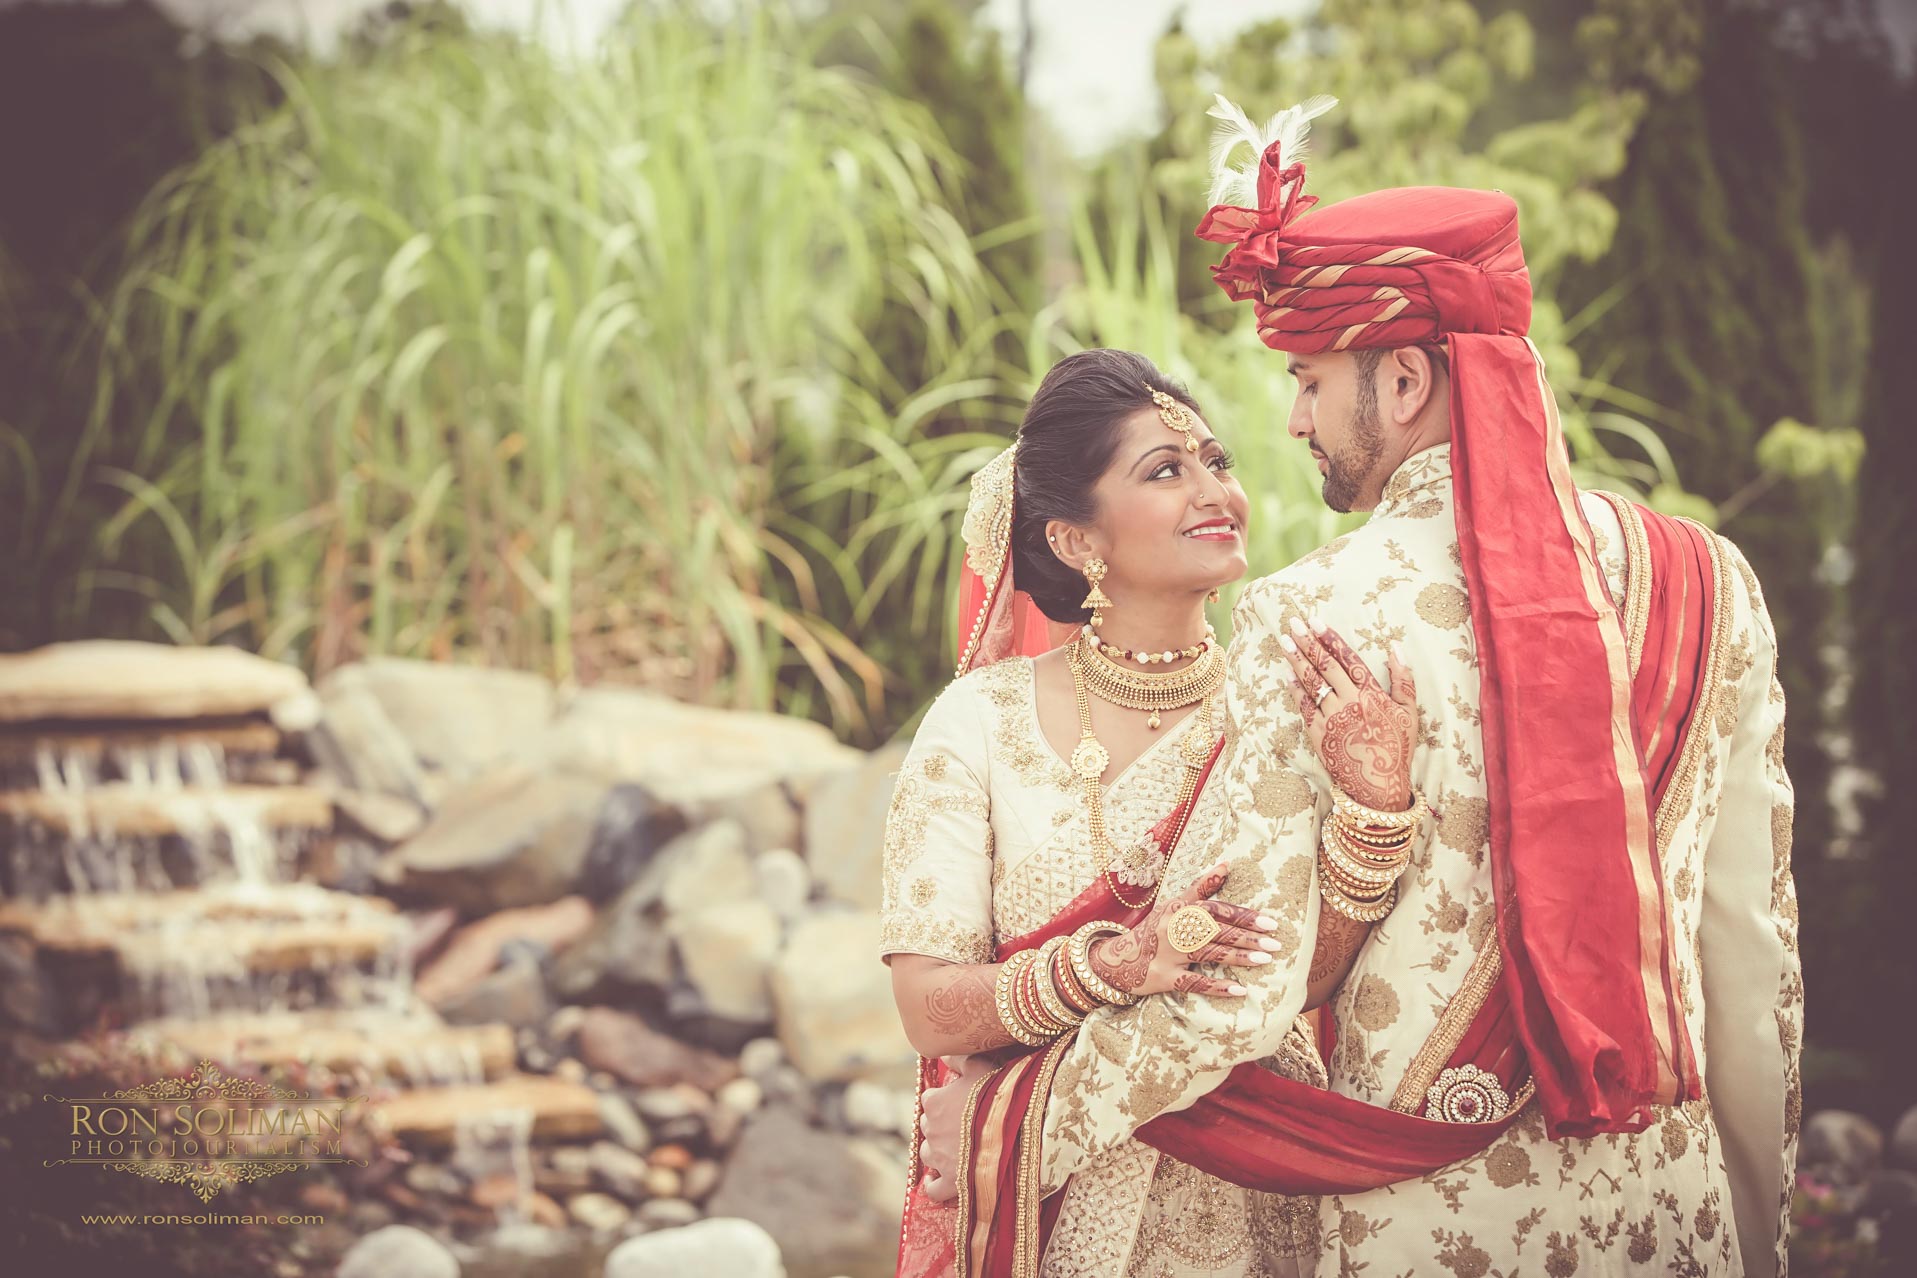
1090,759
1152,722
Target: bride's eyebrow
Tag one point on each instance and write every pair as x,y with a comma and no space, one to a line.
1149,452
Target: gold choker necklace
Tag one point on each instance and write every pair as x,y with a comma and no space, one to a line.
1143,657
1137,690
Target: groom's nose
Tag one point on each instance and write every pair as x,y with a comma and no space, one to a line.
1298,425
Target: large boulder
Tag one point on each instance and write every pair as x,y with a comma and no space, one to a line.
457,719
727,952
845,827
689,756
733,1247
513,837
1847,1143
116,679
832,1206
833,1002
395,1250
630,948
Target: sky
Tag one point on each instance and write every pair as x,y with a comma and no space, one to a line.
1091,59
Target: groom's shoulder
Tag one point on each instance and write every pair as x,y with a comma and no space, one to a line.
1302,586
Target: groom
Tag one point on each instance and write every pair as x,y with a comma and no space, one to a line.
1572,1045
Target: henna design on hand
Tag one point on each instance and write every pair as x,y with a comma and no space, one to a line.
1338,939
1126,959
965,1009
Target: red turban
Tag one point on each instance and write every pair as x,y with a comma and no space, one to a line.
1586,951
1403,267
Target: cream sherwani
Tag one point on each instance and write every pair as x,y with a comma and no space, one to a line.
1705,1190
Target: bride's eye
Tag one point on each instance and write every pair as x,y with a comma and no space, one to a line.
1164,472
1224,461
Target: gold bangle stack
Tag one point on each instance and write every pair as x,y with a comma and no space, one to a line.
1011,1015
1363,852
1078,950
1049,991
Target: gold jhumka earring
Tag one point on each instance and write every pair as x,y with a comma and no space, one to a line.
1097,601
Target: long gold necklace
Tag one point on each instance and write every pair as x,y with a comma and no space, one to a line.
1090,758
1139,690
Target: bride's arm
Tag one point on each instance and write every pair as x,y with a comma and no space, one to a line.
1362,732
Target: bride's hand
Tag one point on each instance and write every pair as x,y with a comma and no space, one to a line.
1142,960
1362,732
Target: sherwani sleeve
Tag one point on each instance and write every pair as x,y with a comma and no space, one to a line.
1753,985
936,897
1127,1065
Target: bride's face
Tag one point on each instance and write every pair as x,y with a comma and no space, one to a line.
1170,521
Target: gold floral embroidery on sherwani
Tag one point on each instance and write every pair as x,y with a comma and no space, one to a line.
987,840
1676,1197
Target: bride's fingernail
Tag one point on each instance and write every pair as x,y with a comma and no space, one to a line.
1318,625
1265,924
1266,943
1256,957
1284,641
1298,628
1235,989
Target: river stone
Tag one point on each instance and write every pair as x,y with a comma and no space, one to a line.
727,952
1839,1139
119,679
624,1046
1903,1142
458,719
784,882
845,827
396,1250
474,950
735,1248
832,1209
632,830
359,745
601,1213
385,818
833,1000
686,755
709,867
513,837
515,995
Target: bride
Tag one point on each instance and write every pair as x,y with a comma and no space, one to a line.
1043,791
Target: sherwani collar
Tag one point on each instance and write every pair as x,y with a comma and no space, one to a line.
1423,475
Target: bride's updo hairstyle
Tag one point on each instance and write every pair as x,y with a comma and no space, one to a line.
1065,444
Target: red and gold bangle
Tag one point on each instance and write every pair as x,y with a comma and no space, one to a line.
1076,996
1005,996
1048,995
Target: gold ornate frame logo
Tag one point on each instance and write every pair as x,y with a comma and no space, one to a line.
186,1156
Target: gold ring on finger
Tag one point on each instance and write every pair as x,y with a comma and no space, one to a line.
1192,929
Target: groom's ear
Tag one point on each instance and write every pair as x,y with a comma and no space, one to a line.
1071,544
1413,379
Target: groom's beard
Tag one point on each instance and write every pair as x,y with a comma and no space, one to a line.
1350,467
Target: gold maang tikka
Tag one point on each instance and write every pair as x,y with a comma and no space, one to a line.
1097,600
1174,415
